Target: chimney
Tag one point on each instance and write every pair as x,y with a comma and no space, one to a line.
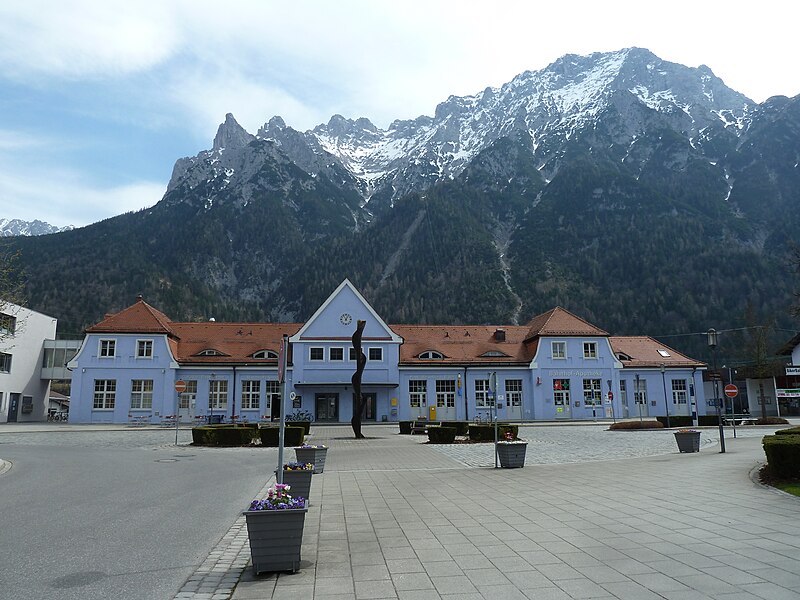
500,335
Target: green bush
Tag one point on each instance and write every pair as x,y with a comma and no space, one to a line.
707,420
292,436
461,427
405,427
234,436
441,435
203,436
790,431
676,421
627,425
783,455
485,433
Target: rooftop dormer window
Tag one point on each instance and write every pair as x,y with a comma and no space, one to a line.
265,355
494,354
210,352
431,355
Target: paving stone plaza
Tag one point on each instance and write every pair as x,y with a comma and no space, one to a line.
594,514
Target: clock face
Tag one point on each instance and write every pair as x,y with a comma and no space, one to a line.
346,319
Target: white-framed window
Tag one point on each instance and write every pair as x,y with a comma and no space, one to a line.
265,355
640,391
558,350
514,392
218,394
144,348
352,354
417,392
592,392
482,399
5,363
251,393
210,352
105,394
107,349
8,324
623,392
188,397
272,393
431,355
561,392
142,394
446,393
679,388
316,353
589,349
336,354
375,354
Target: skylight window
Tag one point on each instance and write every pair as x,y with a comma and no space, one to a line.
663,353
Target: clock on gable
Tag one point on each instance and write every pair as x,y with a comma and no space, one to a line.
345,319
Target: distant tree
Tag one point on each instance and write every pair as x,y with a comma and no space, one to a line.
755,346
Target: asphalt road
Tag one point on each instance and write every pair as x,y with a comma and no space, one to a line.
96,515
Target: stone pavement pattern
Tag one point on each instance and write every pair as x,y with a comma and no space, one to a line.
392,517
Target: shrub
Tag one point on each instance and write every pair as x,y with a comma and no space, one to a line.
485,433
292,436
676,421
783,455
627,425
405,427
461,427
790,431
772,421
707,420
441,435
234,436
203,436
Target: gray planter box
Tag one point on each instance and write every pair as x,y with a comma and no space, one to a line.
316,456
299,483
275,539
512,456
688,441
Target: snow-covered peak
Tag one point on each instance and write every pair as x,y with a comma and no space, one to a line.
14,227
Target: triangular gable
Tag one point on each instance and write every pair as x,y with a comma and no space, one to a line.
138,318
337,317
561,322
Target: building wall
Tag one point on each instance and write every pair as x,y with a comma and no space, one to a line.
24,380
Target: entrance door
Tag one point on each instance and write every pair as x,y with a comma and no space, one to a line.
371,406
13,408
561,399
514,399
327,407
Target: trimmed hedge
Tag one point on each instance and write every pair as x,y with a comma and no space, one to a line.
292,436
628,425
441,435
405,427
790,431
783,455
485,433
223,435
676,420
461,427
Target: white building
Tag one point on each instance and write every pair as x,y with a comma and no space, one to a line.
24,394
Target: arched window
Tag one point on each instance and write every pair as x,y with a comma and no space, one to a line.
266,354
494,354
210,352
431,355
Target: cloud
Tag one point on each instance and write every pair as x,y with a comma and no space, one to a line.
64,197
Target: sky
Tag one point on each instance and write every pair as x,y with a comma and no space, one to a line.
99,98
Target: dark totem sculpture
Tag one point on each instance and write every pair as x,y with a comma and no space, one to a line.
358,399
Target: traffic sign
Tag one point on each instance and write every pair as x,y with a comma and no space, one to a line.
731,391
180,386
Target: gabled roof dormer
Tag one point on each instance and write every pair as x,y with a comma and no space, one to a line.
210,352
337,317
559,322
265,355
138,318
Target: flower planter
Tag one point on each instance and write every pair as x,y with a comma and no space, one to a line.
688,441
299,482
275,538
512,454
315,456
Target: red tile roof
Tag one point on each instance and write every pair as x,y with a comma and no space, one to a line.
464,344
138,318
237,342
560,322
643,353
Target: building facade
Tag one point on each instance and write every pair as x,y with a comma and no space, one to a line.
24,394
556,367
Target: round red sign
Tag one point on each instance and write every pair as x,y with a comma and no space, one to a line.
731,391
180,386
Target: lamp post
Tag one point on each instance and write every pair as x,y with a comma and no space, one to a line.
664,383
712,343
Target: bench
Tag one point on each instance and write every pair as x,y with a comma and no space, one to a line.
167,421
739,420
421,426
138,420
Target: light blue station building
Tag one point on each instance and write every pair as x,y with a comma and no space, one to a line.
556,367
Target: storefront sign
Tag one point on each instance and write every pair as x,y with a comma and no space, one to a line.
793,370
784,393
575,373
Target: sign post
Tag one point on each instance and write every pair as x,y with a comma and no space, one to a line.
731,391
180,387
282,361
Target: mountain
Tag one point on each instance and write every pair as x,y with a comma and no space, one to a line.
11,227
646,196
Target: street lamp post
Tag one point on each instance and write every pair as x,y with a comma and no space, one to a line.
712,343
664,383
